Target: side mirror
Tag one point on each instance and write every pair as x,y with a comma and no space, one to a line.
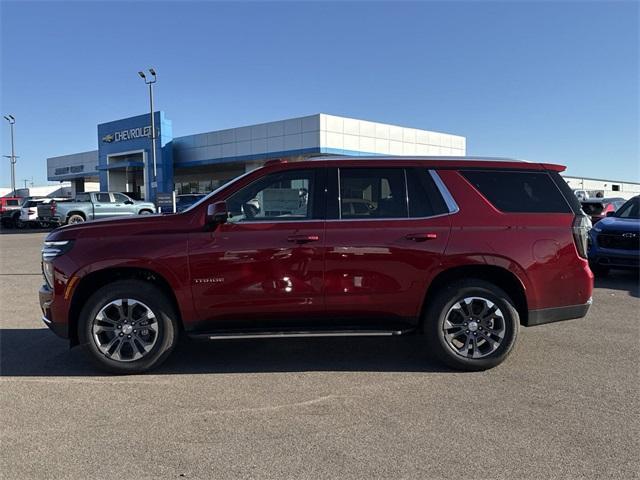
217,213
610,214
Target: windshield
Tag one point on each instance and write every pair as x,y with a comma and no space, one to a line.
631,209
207,197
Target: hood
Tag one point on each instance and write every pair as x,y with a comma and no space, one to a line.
615,224
120,227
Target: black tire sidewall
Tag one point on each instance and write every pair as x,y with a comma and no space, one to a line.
75,215
152,297
445,299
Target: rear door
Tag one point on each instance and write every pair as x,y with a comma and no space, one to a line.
103,205
382,253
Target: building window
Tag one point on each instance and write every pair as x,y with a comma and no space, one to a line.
615,188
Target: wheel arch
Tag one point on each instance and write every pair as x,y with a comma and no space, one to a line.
499,276
99,278
75,212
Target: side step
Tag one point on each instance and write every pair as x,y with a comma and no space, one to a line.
298,333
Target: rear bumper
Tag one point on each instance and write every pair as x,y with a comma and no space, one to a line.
55,219
556,314
46,299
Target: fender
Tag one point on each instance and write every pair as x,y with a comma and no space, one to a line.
179,283
507,264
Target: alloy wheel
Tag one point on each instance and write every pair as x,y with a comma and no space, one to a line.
125,330
474,327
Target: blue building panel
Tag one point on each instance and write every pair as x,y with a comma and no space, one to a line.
132,136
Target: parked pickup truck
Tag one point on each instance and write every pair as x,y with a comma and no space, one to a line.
92,206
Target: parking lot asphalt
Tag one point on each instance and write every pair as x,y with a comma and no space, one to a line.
564,405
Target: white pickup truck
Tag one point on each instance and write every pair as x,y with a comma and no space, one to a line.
92,206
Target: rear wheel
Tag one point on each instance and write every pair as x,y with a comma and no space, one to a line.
471,325
75,218
19,223
128,327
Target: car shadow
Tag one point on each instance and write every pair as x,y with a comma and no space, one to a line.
626,280
37,352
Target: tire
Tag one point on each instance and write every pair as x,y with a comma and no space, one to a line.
145,212
19,223
97,329
75,218
497,331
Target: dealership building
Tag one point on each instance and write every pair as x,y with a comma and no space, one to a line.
204,161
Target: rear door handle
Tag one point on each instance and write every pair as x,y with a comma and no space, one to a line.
303,238
421,237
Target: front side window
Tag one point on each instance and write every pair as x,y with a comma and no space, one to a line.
631,209
371,193
120,198
282,196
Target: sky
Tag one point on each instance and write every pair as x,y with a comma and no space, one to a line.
543,81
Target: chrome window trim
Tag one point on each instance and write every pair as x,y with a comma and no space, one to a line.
339,197
451,204
444,191
406,192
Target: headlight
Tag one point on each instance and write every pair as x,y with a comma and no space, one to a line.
47,271
51,250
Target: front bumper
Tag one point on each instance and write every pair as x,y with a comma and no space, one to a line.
556,314
615,260
46,299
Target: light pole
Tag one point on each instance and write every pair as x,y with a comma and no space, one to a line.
150,82
11,119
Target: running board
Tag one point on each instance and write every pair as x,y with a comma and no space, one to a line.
287,334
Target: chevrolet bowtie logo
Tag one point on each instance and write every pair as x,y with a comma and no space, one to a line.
108,138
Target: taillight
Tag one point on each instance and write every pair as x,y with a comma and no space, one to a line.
53,208
581,226
609,208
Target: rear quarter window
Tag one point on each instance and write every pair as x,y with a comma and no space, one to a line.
519,191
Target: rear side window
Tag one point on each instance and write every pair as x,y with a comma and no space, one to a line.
103,198
514,191
83,197
372,193
592,208
424,197
13,203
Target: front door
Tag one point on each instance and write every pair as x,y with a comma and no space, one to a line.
388,232
267,258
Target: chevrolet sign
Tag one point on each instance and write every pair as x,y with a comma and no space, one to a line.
130,134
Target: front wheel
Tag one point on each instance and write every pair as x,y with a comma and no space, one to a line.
471,325
128,326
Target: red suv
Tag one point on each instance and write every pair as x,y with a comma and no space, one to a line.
462,251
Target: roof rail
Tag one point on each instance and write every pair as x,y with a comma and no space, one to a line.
416,157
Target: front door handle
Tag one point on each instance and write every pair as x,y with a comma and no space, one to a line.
303,238
421,237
